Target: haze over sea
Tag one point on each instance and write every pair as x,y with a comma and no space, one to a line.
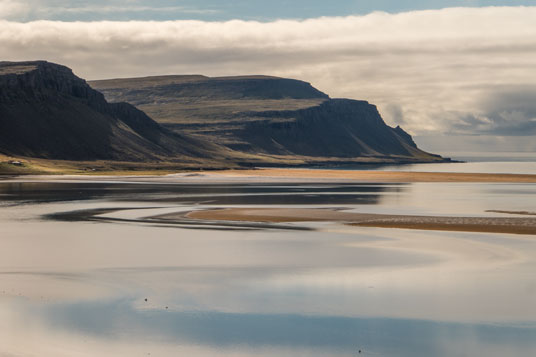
474,162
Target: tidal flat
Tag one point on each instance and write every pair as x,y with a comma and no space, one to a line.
87,268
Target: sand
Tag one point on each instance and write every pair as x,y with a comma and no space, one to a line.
376,176
510,225
285,175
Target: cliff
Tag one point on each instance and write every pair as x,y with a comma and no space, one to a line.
48,112
335,128
270,117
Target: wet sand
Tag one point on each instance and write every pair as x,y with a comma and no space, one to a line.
287,175
523,213
516,225
375,176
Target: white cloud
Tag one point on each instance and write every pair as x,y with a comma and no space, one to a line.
12,9
431,69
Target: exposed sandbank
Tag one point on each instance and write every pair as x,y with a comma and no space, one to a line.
377,176
517,225
523,213
280,175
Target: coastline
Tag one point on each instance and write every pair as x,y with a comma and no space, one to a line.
375,176
274,175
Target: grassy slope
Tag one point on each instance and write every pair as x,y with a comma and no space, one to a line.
33,166
209,108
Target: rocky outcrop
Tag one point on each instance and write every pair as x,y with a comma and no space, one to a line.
48,112
41,80
270,117
336,128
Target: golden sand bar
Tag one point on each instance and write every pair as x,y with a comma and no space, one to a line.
513,225
380,176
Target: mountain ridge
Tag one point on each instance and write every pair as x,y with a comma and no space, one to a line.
47,112
298,121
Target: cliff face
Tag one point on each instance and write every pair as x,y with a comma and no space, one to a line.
39,80
268,116
48,112
335,128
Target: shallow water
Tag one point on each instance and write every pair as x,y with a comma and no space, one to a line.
470,165
493,167
74,283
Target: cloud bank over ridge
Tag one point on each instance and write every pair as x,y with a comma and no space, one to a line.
456,70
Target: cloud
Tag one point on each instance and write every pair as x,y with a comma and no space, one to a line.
456,70
98,9
394,114
12,9
505,111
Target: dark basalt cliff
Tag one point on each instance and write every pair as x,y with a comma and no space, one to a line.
48,112
336,128
268,116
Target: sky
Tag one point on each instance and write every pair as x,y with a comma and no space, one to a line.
458,75
218,10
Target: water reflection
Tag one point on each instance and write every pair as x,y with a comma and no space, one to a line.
475,165
76,283
328,334
34,192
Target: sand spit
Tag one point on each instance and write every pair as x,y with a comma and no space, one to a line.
377,176
523,213
284,175
517,225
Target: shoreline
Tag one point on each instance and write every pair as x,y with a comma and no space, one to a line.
509,225
376,176
22,165
290,175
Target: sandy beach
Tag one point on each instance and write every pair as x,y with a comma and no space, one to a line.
375,176
510,225
274,175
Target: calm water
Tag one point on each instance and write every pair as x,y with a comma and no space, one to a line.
83,272
475,165
501,167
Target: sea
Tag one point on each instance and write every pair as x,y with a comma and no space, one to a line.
87,270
